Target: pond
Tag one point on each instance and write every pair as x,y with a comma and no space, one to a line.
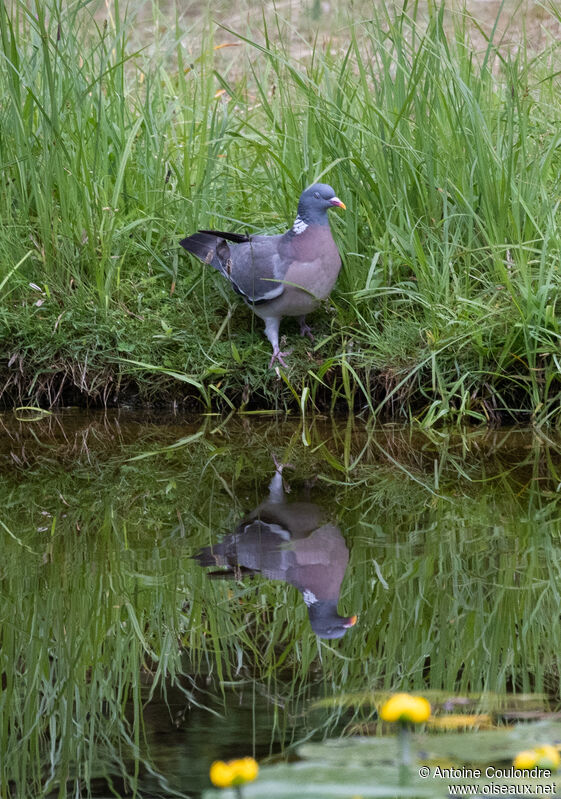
176,590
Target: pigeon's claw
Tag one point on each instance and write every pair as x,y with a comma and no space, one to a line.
306,330
279,465
279,356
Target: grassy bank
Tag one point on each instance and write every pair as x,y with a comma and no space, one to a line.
448,161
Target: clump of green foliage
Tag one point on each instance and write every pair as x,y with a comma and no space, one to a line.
448,162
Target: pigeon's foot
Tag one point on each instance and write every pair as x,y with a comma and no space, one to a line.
279,465
279,356
306,330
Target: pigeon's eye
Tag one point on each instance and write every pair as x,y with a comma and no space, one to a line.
316,195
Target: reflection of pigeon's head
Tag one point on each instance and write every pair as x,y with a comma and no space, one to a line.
326,622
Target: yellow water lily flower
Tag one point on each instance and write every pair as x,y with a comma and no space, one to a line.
247,769
545,756
548,757
526,759
405,708
221,774
234,772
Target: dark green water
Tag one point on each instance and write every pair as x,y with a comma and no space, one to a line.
167,600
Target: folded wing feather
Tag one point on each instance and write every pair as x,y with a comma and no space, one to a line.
251,264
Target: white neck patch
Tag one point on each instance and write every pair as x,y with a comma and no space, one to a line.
309,597
299,226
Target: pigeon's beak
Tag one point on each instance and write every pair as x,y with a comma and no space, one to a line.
353,619
336,201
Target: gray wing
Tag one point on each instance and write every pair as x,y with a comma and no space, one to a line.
253,265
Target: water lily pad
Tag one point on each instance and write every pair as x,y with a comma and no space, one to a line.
368,767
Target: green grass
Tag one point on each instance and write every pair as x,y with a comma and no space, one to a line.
448,161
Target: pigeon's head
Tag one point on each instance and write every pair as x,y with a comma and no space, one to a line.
326,622
314,203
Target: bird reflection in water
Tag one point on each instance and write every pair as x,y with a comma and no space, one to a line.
293,542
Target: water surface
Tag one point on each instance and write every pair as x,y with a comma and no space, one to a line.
168,597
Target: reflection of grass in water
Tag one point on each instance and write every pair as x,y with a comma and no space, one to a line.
455,587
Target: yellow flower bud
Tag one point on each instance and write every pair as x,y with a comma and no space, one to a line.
526,759
547,757
221,774
234,772
247,769
404,707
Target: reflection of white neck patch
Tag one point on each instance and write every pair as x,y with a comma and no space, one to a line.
299,225
309,597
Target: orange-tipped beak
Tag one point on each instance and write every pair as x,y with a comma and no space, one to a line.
352,621
336,201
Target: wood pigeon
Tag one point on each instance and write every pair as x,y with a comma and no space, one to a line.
292,542
284,275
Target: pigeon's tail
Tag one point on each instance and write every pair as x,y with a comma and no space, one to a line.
211,247
203,246
216,556
237,238
234,572
209,556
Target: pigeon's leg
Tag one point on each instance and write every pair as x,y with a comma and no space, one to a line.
272,324
305,329
276,489
279,466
